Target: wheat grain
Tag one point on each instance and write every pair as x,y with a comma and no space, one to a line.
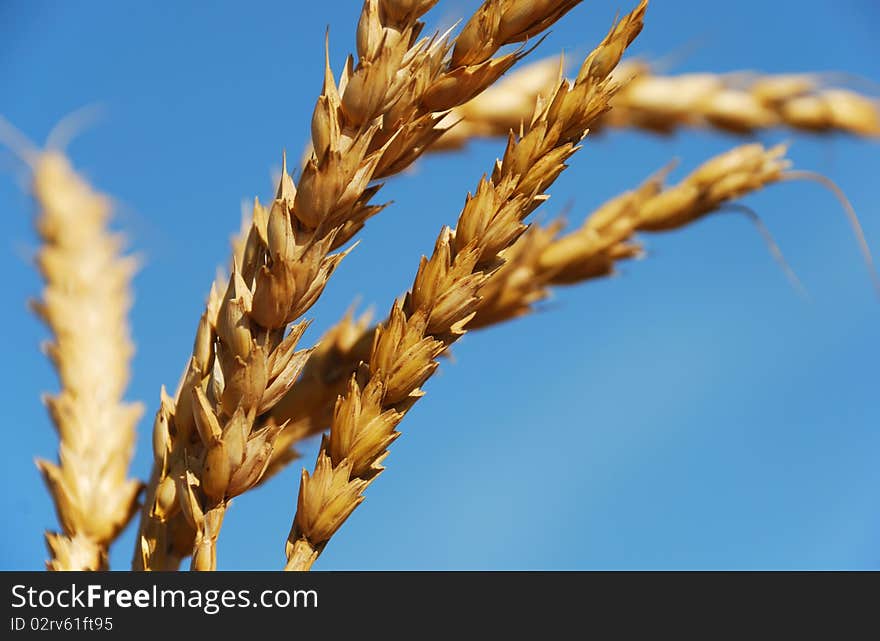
380,118
742,103
85,304
444,298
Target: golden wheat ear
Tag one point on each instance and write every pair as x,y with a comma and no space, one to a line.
444,297
371,122
539,261
85,305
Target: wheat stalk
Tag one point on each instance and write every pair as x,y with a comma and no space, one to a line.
380,118
85,305
444,298
741,103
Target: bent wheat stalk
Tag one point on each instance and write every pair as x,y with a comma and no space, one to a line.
444,298
380,118
741,103
85,305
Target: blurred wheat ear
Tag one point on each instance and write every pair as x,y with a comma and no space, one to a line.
85,305
741,103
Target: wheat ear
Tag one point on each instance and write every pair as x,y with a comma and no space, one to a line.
85,304
383,114
540,259
741,103
444,298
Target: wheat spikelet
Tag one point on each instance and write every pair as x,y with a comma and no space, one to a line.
382,115
741,103
85,304
444,298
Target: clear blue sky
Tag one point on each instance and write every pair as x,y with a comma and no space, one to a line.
692,413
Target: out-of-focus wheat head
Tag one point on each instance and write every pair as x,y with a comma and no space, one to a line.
85,305
740,103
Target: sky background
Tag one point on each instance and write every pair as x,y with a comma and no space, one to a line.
692,413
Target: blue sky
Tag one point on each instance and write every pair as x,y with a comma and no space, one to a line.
691,413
